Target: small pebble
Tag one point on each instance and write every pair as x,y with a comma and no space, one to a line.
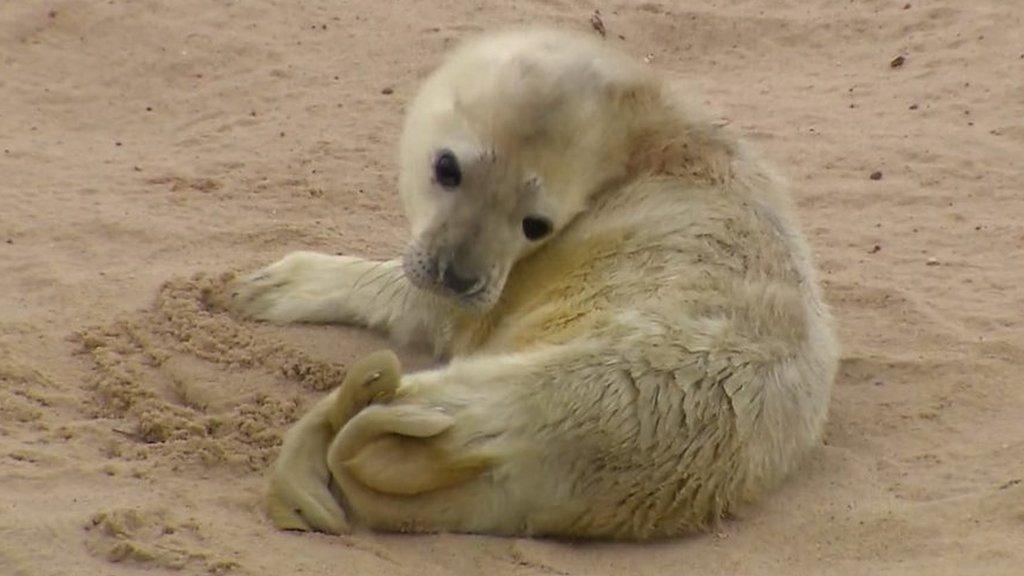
876,175
933,261
598,24
913,106
387,91
875,249
897,61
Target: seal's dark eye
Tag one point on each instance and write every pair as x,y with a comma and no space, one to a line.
535,227
446,170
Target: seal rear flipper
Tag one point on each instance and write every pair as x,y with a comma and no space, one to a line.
373,378
292,506
298,495
398,450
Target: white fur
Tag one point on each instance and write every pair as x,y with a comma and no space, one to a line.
663,357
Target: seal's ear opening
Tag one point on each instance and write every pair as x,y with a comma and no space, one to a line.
536,228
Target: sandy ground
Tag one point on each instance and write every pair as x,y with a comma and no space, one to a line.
144,142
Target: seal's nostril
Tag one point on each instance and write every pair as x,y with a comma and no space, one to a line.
457,283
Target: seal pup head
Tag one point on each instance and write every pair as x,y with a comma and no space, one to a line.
502,148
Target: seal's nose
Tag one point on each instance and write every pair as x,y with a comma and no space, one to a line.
458,283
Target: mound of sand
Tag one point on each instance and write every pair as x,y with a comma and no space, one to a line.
192,385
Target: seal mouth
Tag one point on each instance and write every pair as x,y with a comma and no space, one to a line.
475,291
477,298
480,298
423,273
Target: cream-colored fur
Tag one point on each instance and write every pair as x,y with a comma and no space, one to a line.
661,357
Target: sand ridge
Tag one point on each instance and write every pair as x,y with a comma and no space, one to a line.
162,370
152,538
